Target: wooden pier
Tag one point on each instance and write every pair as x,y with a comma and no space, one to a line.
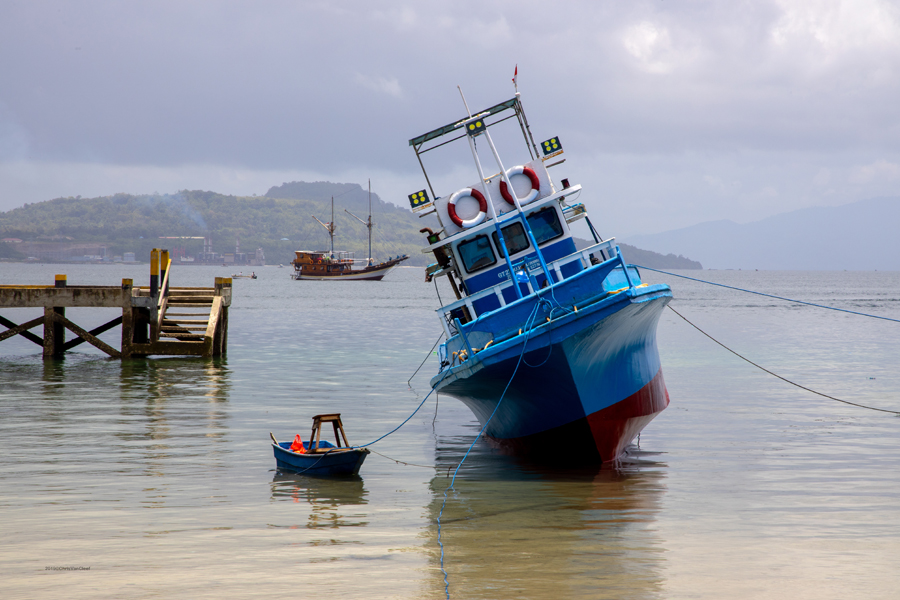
153,320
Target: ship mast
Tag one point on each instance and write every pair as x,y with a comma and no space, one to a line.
367,223
330,226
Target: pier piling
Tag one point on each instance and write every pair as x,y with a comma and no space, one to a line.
149,323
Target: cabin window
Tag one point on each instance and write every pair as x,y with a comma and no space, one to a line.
515,238
545,225
476,253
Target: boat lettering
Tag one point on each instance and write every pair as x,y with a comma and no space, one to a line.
532,266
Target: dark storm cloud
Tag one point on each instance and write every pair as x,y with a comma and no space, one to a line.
704,107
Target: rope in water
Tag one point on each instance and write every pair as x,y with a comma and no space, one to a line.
744,358
730,287
529,323
406,420
401,462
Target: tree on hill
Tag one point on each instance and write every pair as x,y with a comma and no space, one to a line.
279,222
278,225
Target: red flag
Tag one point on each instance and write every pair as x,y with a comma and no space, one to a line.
516,77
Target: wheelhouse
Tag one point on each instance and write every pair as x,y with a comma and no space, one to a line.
506,236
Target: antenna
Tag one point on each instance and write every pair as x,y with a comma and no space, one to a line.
464,100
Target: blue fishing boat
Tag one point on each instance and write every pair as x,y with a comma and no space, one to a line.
566,337
318,456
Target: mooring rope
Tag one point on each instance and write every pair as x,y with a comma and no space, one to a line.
426,358
528,325
401,462
744,358
411,414
731,287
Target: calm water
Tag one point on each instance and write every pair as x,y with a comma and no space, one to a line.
158,475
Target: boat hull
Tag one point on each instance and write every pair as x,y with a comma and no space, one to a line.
588,382
376,273
338,462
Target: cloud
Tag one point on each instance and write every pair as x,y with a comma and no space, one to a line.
648,97
879,170
14,139
382,85
651,45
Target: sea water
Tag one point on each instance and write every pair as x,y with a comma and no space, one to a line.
154,478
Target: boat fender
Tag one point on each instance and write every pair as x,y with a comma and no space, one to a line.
482,208
535,185
297,445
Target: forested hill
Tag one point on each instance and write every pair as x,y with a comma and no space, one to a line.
279,223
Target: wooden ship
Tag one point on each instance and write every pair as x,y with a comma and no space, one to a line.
328,264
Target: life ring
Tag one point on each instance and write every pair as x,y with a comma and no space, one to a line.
482,206
535,185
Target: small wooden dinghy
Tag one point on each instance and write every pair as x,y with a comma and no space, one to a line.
320,457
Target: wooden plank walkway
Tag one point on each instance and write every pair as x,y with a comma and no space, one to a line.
148,327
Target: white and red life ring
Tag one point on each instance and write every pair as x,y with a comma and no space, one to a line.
535,185
464,193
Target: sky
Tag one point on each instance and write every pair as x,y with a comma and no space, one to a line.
670,113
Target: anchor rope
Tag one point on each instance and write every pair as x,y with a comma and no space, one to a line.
401,462
426,358
412,414
312,465
528,325
744,358
731,287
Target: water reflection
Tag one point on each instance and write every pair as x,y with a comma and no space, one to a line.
182,407
331,500
514,529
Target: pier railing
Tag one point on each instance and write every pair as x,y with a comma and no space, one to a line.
149,323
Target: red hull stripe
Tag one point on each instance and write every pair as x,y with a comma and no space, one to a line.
615,426
610,429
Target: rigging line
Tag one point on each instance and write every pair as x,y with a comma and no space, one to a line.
401,462
437,291
410,416
427,356
893,412
852,312
549,343
312,465
528,325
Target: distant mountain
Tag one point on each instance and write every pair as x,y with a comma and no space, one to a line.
648,258
858,236
351,196
279,223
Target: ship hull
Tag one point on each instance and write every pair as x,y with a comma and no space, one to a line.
376,273
588,382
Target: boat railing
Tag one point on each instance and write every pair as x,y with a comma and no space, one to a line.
607,250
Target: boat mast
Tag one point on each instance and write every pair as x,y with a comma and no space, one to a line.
367,223
330,226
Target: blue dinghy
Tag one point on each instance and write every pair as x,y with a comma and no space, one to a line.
320,457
